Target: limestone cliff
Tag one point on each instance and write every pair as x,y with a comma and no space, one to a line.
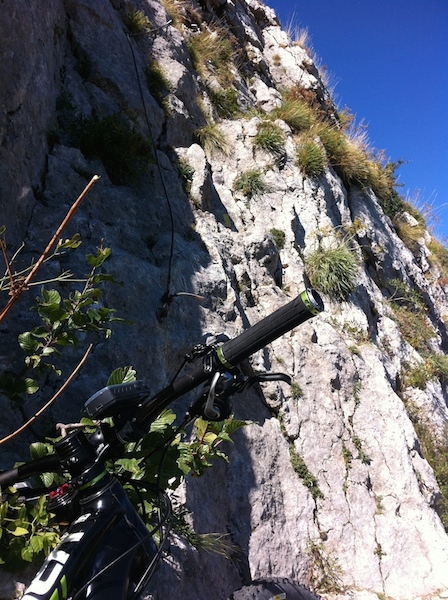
331,485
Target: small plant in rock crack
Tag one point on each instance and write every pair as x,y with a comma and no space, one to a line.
212,54
250,183
311,157
333,268
124,152
212,138
279,238
296,390
296,113
324,572
136,21
157,82
271,138
434,366
225,102
300,467
410,313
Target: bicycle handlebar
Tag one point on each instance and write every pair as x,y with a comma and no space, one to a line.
228,355
233,352
38,466
285,318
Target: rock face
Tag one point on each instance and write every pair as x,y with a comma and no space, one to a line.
367,526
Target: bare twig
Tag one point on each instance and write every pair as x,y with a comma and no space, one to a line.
8,266
21,287
52,399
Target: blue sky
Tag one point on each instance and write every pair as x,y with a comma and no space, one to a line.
389,61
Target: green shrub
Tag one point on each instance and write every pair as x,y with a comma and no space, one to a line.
311,158
434,366
250,183
435,451
124,152
334,269
186,173
410,313
325,572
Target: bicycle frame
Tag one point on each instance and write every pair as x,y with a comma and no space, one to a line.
108,533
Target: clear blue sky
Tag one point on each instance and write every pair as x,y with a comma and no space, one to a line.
389,59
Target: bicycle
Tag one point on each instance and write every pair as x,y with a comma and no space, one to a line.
107,550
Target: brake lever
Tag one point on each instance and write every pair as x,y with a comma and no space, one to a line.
262,377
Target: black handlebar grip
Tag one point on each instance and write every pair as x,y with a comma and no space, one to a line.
38,466
306,305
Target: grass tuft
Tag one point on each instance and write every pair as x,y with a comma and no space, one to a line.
296,113
157,82
212,55
270,137
212,138
136,21
124,152
311,157
334,269
250,183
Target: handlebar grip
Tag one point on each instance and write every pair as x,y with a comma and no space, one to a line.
302,308
38,466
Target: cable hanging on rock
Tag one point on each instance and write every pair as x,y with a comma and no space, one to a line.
167,297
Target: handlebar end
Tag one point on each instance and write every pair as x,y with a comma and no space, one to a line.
312,301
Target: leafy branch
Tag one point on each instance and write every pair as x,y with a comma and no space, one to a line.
19,286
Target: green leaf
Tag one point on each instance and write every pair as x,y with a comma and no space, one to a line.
209,438
98,259
200,426
166,418
47,479
18,531
74,242
28,343
32,361
101,277
129,464
31,385
27,554
121,375
36,543
39,449
50,297
89,424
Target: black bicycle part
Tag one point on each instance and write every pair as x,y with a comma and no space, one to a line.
45,464
230,353
114,399
106,529
299,310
